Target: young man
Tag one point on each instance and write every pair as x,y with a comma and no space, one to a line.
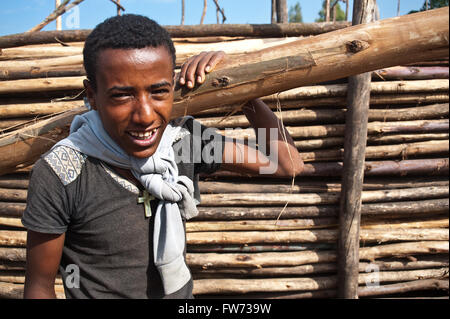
107,205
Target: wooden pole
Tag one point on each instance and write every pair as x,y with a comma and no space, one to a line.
58,19
358,97
282,16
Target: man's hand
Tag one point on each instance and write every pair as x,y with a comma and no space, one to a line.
195,68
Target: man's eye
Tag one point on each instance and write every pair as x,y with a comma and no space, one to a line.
160,91
120,95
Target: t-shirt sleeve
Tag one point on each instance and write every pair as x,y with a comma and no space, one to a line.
207,145
47,209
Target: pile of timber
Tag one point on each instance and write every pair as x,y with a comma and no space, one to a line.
269,238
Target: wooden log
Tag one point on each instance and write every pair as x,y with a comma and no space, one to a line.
329,142
406,208
13,195
398,288
427,167
15,291
12,254
411,73
310,236
185,31
338,102
333,90
404,150
293,117
241,286
18,181
37,109
287,259
308,186
257,248
24,147
274,199
11,209
297,224
13,238
11,222
319,268
314,131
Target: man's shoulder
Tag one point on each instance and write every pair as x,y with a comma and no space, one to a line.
65,162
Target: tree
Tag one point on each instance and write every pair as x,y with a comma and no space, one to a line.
431,4
336,12
295,13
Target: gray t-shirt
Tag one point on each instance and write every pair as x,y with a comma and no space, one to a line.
108,238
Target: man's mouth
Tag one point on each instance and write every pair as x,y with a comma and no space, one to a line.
143,135
143,138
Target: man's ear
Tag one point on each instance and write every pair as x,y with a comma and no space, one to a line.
90,93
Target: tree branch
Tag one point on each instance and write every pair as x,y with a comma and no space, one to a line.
64,7
219,9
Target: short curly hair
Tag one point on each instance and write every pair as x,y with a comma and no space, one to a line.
129,31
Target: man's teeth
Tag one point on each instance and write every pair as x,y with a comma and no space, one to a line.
143,134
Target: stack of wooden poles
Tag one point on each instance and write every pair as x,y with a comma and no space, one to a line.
271,238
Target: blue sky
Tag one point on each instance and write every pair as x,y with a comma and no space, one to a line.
20,15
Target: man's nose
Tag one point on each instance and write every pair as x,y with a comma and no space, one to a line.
144,113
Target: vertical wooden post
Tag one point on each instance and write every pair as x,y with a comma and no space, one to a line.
346,9
327,11
358,96
273,18
119,11
182,12
282,15
58,19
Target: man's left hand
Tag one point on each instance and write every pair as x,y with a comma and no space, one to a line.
195,68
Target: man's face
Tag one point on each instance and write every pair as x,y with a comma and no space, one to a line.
134,96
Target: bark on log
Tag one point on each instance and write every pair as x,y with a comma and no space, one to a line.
276,259
382,265
279,199
384,152
436,166
435,111
12,209
314,236
397,288
411,73
185,31
314,131
13,195
406,208
307,186
242,286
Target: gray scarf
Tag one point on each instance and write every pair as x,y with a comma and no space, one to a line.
159,175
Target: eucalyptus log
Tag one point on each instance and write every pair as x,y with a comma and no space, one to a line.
185,31
404,150
12,254
241,286
403,208
382,265
18,181
403,287
298,224
434,166
411,73
308,186
279,199
332,90
8,209
37,109
435,111
314,131
313,236
13,195
329,142
11,222
284,259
